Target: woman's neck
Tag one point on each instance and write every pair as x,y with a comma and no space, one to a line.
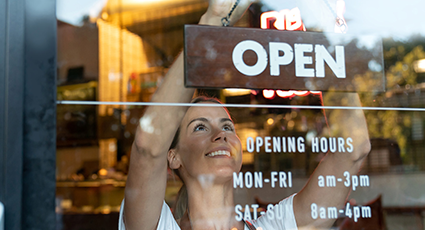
212,207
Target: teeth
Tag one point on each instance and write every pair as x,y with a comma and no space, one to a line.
219,153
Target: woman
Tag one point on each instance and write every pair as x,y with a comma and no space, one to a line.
206,153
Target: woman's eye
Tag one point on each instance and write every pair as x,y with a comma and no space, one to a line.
199,128
228,128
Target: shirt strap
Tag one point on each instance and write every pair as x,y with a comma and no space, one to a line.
249,224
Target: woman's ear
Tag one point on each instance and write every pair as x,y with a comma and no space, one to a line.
173,159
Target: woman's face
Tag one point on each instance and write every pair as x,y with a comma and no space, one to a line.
208,144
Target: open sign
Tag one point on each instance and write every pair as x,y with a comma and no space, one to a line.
298,53
219,57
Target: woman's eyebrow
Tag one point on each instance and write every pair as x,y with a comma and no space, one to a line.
198,119
225,120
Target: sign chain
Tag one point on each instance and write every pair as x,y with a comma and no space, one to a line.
226,20
339,21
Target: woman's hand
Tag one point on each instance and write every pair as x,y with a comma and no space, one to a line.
219,9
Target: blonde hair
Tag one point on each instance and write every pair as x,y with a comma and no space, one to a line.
180,206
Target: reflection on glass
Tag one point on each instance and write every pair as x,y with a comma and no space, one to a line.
123,57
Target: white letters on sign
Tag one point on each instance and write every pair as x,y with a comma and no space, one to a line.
301,60
302,53
276,60
237,57
337,66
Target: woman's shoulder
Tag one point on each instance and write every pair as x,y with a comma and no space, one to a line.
166,219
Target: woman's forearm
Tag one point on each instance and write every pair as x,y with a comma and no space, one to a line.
348,123
159,123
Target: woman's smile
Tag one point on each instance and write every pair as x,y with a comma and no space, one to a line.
219,153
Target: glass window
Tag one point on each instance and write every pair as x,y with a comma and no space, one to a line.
114,55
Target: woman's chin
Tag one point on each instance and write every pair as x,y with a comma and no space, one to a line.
225,174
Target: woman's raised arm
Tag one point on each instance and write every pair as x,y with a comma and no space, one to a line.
146,183
351,126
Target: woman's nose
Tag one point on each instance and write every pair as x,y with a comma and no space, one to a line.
220,136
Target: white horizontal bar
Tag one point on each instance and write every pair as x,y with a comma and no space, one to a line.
234,105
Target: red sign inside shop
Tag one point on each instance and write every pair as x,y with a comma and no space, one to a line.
282,20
